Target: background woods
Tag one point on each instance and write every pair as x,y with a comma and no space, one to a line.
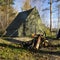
7,13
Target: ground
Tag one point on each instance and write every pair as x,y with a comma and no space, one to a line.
13,51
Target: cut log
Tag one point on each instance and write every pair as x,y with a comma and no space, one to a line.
38,42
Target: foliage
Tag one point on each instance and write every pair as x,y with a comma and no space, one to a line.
26,5
3,2
6,14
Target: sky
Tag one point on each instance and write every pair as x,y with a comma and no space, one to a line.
45,16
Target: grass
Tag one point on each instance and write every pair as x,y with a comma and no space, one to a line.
11,51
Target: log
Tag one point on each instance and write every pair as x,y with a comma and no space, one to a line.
38,42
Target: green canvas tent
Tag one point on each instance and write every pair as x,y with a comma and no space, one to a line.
25,24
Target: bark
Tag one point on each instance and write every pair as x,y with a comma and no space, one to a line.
38,42
50,15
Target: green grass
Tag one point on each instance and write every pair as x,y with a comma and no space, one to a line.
11,51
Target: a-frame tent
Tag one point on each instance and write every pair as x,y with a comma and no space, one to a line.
25,24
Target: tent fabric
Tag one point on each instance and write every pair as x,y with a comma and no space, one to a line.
25,24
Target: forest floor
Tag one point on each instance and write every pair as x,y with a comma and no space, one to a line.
14,51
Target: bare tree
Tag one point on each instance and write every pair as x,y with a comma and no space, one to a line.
58,17
50,15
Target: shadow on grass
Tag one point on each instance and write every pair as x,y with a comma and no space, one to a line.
31,50
51,38
46,52
9,46
28,44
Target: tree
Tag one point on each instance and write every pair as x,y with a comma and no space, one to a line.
58,16
26,5
7,6
46,9
6,13
50,15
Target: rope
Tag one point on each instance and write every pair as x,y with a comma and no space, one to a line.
13,32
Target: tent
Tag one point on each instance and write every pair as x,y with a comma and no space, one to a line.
25,24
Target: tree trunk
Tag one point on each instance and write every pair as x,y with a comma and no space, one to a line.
58,17
1,21
50,15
